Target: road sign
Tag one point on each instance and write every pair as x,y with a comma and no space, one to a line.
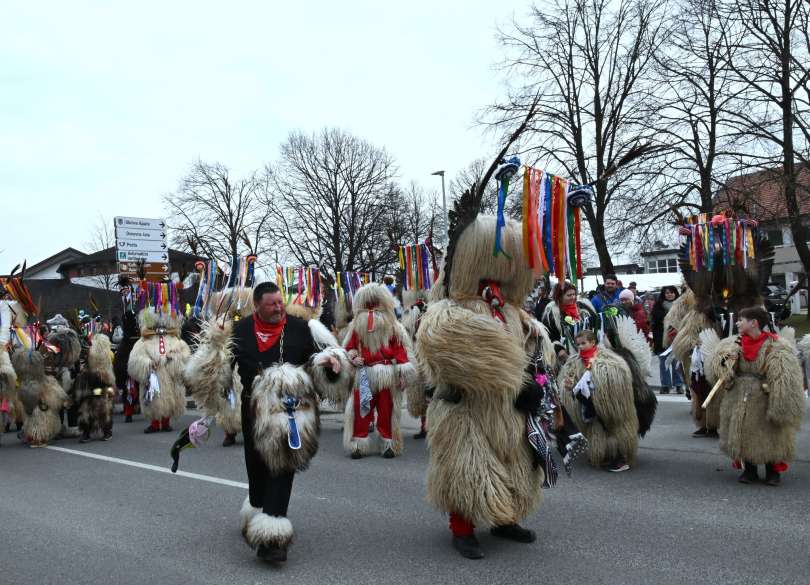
141,245
138,255
141,223
135,234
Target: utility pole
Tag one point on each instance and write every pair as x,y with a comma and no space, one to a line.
446,226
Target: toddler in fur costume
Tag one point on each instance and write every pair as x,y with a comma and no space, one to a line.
598,393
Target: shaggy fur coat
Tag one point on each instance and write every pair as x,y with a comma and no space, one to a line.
146,358
481,465
614,430
396,377
763,407
416,394
41,395
94,388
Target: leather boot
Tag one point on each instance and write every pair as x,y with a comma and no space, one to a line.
772,477
468,546
514,532
749,474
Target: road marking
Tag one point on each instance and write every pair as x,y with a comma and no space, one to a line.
197,476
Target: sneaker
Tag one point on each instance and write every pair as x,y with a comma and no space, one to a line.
106,437
514,532
468,546
619,466
271,553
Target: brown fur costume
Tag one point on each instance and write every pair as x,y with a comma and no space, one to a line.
94,388
764,405
415,394
614,431
41,396
672,321
146,358
8,377
480,462
395,377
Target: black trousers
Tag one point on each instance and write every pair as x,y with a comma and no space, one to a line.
269,492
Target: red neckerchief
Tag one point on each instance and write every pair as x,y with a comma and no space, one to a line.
490,291
751,346
267,334
570,311
586,355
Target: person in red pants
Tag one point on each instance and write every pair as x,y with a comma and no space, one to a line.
378,345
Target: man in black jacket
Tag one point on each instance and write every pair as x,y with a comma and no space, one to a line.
266,338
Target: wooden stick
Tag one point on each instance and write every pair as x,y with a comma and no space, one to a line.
715,389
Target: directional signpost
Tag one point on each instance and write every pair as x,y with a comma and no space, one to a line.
140,245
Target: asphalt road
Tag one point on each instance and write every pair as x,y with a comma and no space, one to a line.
678,517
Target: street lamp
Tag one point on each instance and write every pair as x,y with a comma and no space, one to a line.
444,211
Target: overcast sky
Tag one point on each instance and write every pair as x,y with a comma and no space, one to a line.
104,105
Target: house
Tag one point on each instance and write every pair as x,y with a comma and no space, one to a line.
660,259
760,195
70,280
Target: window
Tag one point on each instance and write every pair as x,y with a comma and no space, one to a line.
775,236
663,265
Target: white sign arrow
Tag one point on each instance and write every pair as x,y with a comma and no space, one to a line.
140,234
141,223
142,245
145,255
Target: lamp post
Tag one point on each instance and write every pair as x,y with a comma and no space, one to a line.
446,238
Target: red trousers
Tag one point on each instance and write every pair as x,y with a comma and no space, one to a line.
383,404
164,422
460,526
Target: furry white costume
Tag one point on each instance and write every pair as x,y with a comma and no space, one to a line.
381,346
471,346
157,362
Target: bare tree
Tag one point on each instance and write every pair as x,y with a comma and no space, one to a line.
771,59
589,61
102,237
217,216
415,215
698,91
331,200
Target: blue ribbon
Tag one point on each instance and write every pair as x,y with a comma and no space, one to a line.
293,436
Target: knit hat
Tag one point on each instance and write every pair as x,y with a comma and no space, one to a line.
627,294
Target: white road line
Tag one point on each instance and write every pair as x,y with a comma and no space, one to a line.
200,477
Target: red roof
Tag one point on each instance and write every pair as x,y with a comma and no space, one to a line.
761,194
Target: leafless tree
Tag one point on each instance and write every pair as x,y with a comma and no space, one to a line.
589,61
415,215
217,216
102,237
770,57
331,198
697,93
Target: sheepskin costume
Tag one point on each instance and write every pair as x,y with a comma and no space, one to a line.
41,396
94,390
162,354
613,432
8,378
414,304
388,369
674,317
764,404
481,467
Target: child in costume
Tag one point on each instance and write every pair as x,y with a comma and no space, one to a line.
598,393
763,405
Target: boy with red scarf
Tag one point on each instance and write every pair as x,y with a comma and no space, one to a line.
764,400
